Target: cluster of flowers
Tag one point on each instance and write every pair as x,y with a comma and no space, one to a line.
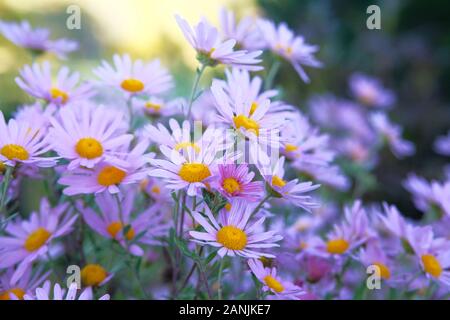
211,181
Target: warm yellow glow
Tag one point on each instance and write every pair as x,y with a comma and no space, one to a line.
146,26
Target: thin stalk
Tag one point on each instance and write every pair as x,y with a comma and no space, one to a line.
260,204
194,89
5,186
271,74
219,279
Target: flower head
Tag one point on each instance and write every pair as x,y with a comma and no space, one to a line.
24,144
27,240
87,135
37,40
271,282
370,92
281,40
205,39
37,81
45,293
24,285
233,233
134,77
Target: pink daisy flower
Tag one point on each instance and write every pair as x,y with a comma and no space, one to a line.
281,40
155,107
88,135
37,40
205,39
233,234
235,182
291,191
135,77
27,283
45,293
108,177
283,290
21,143
28,240
37,81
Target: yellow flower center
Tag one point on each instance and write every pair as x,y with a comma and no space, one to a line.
385,273
228,206
431,265
116,226
232,238
132,85
110,175
194,172
93,275
290,148
19,293
186,145
231,185
253,107
273,284
89,148
247,123
59,94
337,246
156,189
153,107
278,182
36,239
14,151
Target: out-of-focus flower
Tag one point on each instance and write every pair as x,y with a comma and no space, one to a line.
155,107
393,221
116,221
27,240
292,191
245,32
235,182
45,293
373,255
37,40
370,92
35,115
433,254
87,135
442,145
20,143
205,39
351,233
427,195
27,283
106,176
94,275
134,77
304,144
233,234
271,282
393,135
37,81
282,41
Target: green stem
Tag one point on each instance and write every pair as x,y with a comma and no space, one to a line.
5,185
260,204
271,74
219,280
194,89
